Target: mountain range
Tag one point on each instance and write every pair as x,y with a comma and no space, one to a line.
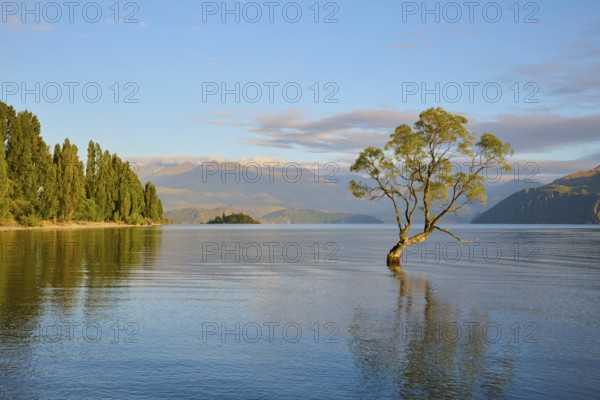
193,193
573,199
196,215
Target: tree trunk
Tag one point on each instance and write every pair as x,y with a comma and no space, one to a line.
394,257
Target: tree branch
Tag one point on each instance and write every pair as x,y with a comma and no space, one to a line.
453,235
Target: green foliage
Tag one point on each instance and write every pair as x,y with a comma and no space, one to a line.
35,184
4,186
70,176
30,221
20,209
153,210
429,168
91,175
29,165
88,210
47,204
5,111
239,218
135,219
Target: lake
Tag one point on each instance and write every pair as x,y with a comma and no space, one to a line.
299,311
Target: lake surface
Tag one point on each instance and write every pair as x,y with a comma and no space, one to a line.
299,312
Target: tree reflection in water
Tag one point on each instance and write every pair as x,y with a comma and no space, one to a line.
53,277
425,348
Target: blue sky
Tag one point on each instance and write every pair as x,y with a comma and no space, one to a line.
371,61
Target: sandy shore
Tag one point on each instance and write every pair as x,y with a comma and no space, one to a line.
47,225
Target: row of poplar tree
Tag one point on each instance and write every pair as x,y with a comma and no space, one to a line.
36,184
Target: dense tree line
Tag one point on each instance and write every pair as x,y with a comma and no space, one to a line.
36,184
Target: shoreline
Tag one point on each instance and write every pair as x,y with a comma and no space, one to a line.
48,225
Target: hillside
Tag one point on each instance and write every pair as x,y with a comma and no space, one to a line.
573,199
292,216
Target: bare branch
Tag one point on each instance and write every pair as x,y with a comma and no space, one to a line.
453,235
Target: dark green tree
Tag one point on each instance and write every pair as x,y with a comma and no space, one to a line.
101,195
5,111
48,202
153,206
91,174
135,192
20,146
71,188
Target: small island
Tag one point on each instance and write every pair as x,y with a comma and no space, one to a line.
240,218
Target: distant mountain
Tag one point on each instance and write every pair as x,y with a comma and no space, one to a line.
200,189
292,216
574,199
237,188
195,215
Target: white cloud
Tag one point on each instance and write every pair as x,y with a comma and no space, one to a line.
347,133
15,23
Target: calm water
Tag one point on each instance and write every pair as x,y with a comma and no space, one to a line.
299,312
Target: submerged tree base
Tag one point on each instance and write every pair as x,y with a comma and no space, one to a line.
394,258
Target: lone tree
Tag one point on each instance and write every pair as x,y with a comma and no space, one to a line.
435,168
